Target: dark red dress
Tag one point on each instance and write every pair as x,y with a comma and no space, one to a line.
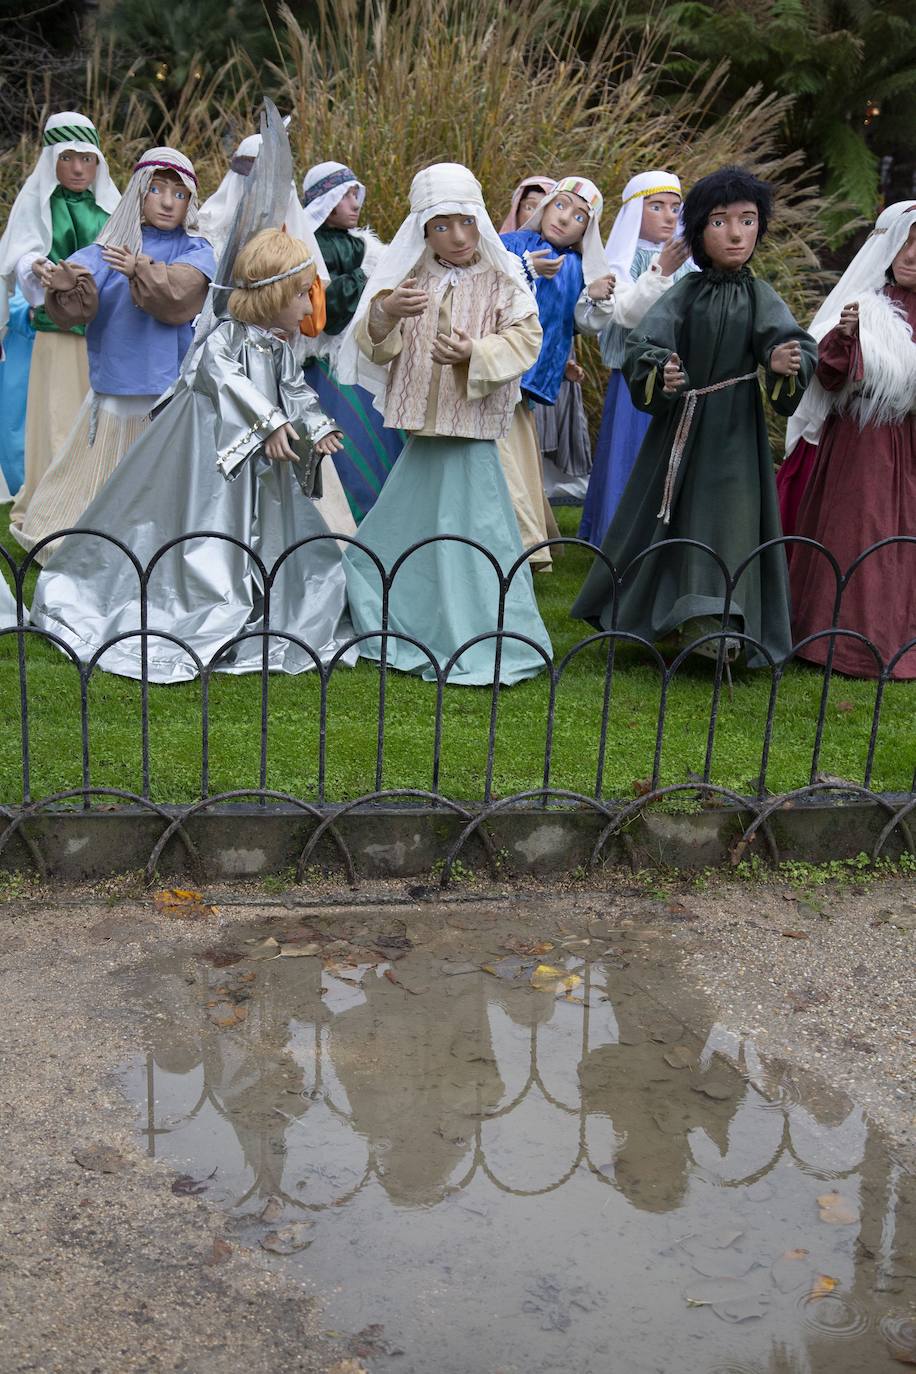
862,489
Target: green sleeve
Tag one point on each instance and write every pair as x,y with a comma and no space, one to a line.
774,324
648,348
342,296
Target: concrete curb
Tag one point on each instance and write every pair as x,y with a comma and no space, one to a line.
386,841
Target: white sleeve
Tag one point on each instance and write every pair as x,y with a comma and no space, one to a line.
634,298
29,284
592,317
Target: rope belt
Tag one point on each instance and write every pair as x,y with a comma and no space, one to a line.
682,433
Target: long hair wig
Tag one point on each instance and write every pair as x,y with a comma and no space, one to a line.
722,188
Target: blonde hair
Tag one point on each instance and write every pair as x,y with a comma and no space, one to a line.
266,255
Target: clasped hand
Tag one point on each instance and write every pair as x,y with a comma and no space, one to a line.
785,360
449,350
277,444
603,288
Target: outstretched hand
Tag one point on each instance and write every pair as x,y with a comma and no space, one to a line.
544,264
673,374
673,255
785,360
405,300
449,350
120,258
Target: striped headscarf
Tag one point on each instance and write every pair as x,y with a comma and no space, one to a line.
126,224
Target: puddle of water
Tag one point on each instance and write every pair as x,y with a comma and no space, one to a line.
578,1175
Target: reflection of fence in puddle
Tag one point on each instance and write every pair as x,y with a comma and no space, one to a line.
361,1125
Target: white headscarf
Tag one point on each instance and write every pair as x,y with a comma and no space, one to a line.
624,237
28,229
126,224
447,188
324,187
865,275
216,214
593,263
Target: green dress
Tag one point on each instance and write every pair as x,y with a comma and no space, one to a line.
76,221
722,325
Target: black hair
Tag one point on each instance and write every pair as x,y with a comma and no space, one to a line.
724,187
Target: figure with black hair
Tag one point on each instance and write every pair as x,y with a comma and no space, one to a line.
704,471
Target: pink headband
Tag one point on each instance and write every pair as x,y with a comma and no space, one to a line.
169,166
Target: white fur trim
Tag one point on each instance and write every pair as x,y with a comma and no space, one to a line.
887,391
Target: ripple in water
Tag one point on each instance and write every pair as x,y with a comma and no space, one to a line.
900,1333
832,1315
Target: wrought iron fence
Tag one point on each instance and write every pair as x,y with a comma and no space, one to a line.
757,806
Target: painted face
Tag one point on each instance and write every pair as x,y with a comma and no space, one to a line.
453,238
76,171
299,308
527,205
659,216
730,236
166,202
345,214
904,264
564,220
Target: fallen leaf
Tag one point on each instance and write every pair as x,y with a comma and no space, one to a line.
641,787
823,1285
223,958
272,1210
680,1057
183,902
741,1309
718,1092
796,934
844,707
538,947
509,968
101,1159
795,1254
289,1239
548,976
837,1210
299,951
220,1251
186,1186
900,1335
389,942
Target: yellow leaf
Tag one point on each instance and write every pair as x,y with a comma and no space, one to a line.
183,901
547,976
837,1210
823,1285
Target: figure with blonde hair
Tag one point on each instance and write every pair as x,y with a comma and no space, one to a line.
235,449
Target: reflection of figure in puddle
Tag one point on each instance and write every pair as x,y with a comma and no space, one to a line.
249,1070
419,1072
653,1108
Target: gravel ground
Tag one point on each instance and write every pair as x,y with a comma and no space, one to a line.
111,1272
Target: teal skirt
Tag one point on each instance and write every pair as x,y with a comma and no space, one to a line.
446,593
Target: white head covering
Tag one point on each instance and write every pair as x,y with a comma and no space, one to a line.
125,225
593,263
324,187
866,274
28,229
624,237
216,214
447,188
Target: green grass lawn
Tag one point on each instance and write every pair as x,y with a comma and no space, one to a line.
292,762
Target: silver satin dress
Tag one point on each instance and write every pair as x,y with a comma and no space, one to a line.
241,384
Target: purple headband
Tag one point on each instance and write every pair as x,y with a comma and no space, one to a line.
342,178
169,166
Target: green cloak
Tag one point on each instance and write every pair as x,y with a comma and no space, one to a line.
343,254
722,325
76,221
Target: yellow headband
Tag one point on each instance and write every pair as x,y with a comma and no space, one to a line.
655,191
